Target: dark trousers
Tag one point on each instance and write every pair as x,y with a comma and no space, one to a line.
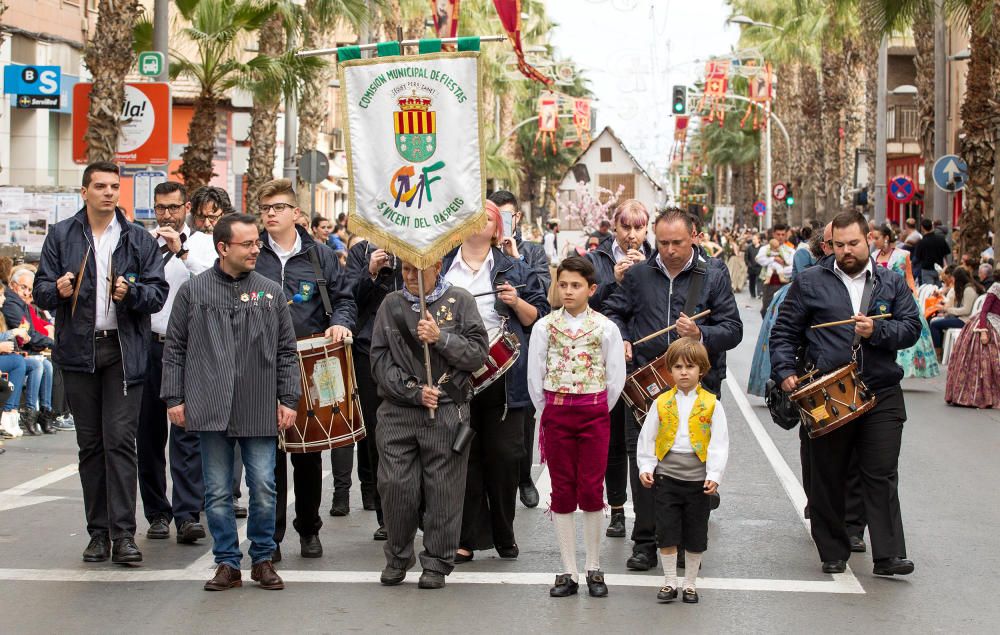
754,281
529,445
493,473
307,483
616,475
106,420
644,527
767,295
876,438
370,401
854,504
59,406
341,466
188,495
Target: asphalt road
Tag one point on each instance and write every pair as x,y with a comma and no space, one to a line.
761,573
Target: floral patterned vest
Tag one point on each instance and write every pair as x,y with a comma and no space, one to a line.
574,360
699,423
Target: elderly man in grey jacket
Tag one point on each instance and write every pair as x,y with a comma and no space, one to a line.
230,374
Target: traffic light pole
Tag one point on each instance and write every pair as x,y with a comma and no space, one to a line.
768,199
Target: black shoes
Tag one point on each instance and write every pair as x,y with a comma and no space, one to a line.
616,528
391,576
640,562
529,494
159,529
341,506
125,551
311,546
666,594
29,422
239,510
893,566
564,586
189,532
46,421
98,550
835,566
276,554
595,584
508,553
462,557
858,544
431,580
380,534
689,596
367,500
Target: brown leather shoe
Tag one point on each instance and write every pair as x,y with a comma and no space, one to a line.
265,575
225,578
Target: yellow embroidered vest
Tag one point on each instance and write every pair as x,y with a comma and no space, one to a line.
699,423
574,362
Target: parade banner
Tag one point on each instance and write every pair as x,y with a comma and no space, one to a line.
414,151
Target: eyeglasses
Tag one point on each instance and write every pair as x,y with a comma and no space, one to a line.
249,244
276,208
214,217
159,209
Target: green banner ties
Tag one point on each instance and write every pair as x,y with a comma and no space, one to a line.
468,44
345,53
388,49
430,46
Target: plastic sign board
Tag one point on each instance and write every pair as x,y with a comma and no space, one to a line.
951,173
902,189
151,63
779,191
40,81
145,124
143,184
759,208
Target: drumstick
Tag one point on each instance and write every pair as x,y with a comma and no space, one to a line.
79,280
850,321
696,316
476,295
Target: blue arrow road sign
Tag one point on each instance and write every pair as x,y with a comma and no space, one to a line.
31,80
951,173
902,189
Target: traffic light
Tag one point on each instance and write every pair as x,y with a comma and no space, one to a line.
679,101
789,197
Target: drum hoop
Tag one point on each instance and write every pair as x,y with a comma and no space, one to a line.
849,369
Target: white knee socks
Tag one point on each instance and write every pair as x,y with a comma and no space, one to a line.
692,563
669,561
592,539
566,537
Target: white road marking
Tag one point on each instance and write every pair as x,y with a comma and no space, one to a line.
18,496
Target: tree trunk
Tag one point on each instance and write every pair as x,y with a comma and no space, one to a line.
264,118
196,159
855,113
392,19
109,57
923,37
811,141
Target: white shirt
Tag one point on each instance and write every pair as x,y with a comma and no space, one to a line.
201,256
617,252
285,256
107,318
718,445
663,267
855,284
766,260
549,244
461,275
612,351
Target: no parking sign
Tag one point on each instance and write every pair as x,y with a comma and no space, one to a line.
902,189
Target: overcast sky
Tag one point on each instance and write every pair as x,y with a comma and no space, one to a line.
633,52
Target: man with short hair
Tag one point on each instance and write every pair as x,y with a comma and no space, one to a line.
184,254
103,277
231,375
322,303
930,251
776,268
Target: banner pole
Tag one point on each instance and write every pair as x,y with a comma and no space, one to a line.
427,350
374,45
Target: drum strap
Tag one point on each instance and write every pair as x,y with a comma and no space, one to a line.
866,298
698,274
449,388
321,283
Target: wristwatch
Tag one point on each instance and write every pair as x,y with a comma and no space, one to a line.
181,253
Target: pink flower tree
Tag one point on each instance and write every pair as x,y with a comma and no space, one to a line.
586,208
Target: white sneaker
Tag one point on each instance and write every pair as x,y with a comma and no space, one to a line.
11,423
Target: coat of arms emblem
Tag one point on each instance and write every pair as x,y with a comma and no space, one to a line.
415,126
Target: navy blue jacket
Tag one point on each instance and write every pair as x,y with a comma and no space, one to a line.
368,293
298,277
137,253
603,260
647,301
817,295
515,272
533,255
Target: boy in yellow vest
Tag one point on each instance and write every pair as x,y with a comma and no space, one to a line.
576,373
682,452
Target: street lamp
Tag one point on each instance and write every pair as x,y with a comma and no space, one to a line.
904,89
961,56
748,21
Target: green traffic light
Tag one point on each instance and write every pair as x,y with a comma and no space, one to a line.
789,200
678,107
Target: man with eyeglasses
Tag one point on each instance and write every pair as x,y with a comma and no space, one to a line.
322,302
208,205
184,254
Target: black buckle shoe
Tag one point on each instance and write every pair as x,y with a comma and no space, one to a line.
689,596
125,551
595,584
159,529
666,594
893,566
616,528
640,562
311,546
431,580
189,532
98,550
834,566
564,586
529,494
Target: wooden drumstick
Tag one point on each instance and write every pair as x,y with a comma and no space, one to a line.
696,316
850,321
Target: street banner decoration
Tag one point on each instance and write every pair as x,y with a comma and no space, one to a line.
445,14
414,148
509,12
761,86
581,121
548,121
680,136
716,84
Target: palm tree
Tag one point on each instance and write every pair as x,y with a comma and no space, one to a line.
271,40
109,56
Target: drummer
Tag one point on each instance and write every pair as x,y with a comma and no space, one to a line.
821,294
290,256
614,256
514,299
654,295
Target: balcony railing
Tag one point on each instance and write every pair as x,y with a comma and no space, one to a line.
903,124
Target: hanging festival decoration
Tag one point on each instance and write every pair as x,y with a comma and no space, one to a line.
509,12
680,135
581,120
716,84
761,91
548,121
445,14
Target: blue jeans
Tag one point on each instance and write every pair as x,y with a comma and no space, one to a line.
217,467
38,382
13,365
941,324
930,276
